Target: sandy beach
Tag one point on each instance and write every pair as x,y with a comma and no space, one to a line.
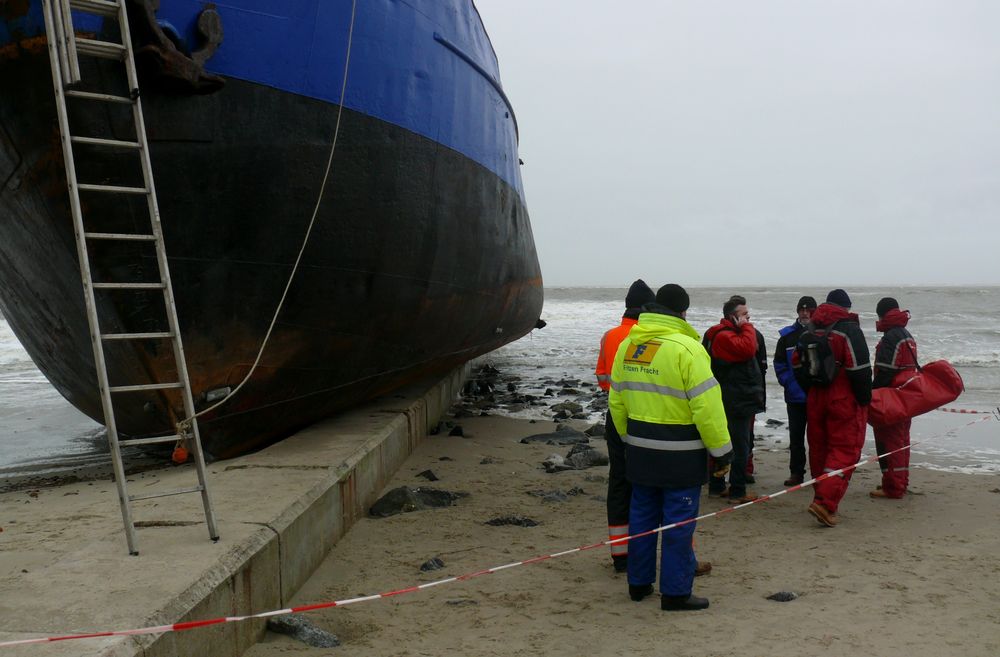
915,577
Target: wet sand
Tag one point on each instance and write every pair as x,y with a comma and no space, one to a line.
915,577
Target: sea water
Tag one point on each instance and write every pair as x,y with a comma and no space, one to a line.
40,431
958,324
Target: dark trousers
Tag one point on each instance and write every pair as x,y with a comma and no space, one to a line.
739,434
797,439
619,488
653,507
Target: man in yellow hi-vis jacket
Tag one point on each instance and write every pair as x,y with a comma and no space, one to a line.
667,407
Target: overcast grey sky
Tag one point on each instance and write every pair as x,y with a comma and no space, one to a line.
843,142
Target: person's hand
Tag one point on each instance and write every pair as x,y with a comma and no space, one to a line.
722,465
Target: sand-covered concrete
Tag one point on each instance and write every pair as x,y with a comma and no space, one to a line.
65,569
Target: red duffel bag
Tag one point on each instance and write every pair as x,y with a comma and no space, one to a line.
915,393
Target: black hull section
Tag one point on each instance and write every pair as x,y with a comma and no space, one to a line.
420,259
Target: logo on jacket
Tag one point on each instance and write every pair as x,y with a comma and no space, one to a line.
642,354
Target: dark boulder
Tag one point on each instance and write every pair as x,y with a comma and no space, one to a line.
585,456
568,406
302,630
563,435
406,500
432,564
519,521
783,596
580,457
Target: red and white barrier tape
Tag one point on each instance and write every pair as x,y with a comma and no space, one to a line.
190,625
966,410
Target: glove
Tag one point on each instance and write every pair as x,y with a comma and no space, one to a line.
722,465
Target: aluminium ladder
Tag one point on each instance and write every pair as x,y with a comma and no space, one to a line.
64,49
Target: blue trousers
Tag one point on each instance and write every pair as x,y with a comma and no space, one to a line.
653,507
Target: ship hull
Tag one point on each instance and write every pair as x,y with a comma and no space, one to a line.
420,257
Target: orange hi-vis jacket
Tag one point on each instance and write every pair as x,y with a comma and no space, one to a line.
609,347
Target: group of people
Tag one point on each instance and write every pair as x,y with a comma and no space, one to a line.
681,412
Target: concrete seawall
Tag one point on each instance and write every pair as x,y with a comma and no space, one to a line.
64,567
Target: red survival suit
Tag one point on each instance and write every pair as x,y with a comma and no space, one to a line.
895,361
837,414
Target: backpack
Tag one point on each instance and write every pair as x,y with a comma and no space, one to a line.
819,366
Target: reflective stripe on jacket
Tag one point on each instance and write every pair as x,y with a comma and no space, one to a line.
666,404
896,351
610,342
848,345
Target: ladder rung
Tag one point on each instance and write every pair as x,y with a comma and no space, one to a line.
148,441
97,7
113,143
129,286
102,49
137,336
112,188
179,491
108,98
120,236
145,386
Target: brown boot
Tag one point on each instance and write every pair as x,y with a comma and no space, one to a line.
702,568
748,497
879,493
823,515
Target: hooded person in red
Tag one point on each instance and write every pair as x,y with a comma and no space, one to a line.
895,362
837,413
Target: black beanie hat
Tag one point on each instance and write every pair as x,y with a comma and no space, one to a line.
673,297
638,295
806,302
885,304
839,298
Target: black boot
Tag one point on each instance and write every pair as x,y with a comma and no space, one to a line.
682,603
638,592
621,564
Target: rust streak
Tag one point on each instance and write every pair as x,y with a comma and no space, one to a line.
12,9
32,45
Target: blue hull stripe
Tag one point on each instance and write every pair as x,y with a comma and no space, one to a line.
425,65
